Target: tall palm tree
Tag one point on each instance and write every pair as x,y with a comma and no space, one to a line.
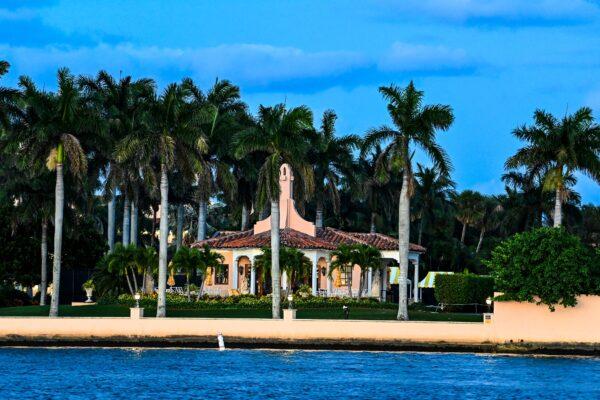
223,103
563,147
331,157
372,183
172,138
433,192
490,218
468,205
52,132
415,124
278,134
123,103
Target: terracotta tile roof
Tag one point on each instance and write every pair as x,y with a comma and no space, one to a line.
378,240
246,239
326,239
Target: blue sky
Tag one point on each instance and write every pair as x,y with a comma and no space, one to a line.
493,61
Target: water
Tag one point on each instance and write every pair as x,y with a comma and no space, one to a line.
133,374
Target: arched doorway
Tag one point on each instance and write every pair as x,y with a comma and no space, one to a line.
243,270
322,279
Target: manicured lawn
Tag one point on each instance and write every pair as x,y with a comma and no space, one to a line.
315,313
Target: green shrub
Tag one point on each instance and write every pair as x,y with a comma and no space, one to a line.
245,301
463,288
11,297
546,266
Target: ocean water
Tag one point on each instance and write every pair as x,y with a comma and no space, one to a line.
176,374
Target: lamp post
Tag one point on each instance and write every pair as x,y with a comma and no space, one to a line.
137,298
290,301
488,301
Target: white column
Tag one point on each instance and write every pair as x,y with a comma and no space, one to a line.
284,280
369,281
329,281
252,280
384,283
234,281
315,275
416,282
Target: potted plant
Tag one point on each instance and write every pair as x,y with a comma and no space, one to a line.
88,286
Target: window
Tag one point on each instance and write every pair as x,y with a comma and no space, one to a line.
222,274
346,275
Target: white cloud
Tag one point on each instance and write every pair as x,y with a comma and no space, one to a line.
502,10
254,65
411,57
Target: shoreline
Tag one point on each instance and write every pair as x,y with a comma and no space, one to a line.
210,343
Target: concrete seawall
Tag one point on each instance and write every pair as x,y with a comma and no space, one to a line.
514,327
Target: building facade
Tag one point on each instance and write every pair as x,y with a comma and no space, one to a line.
237,274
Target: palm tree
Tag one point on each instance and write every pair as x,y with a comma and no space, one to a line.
468,209
172,137
331,158
415,124
224,104
123,261
371,183
367,258
342,260
562,147
51,129
278,134
490,218
188,260
208,259
122,104
433,192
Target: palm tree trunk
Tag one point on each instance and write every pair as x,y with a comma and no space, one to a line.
129,282
361,283
421,223
464,231
152,237
319,214
275,272
201,220
179,237
244,217
403,238
148,282
111,222
134,224
373,228
558,208
44,272
161,309
480,240
187,284
349,280
126,221
134,278
59,203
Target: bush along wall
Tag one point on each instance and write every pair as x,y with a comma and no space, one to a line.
456,290
246,302
546,266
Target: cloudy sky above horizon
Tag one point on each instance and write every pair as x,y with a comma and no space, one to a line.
493,61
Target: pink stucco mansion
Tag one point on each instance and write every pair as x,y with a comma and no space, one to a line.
237,274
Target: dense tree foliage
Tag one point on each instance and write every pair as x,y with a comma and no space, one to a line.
547,266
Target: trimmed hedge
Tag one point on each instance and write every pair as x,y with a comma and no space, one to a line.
463,288
245,301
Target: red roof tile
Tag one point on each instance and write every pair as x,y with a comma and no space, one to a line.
327,239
